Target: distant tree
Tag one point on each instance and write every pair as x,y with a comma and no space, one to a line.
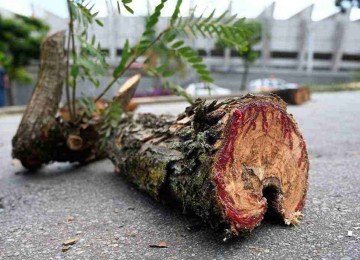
20,39
243,42
159,54
346,4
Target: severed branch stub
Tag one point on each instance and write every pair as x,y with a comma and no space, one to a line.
46,133
228,162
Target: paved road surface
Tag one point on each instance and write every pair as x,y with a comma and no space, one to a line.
114,221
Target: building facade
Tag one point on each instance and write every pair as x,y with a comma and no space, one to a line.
297,44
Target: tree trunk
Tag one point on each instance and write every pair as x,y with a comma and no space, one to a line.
10,93
245,75
228,162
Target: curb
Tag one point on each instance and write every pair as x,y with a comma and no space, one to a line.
11,110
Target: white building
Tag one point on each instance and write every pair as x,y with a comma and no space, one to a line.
296,44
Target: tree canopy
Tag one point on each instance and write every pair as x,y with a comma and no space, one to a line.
346,4
248,35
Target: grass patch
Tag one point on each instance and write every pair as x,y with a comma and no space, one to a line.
352,86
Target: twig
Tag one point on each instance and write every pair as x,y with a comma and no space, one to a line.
114,79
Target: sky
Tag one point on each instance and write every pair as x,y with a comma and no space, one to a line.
244,8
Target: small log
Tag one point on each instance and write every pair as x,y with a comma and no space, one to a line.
295,96
228,162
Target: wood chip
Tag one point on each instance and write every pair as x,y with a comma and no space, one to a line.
69,219
161,244
74,142
65,248
15,162
70,241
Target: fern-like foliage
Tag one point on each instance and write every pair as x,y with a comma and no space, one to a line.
82,12
86,60
110,121
89,62
173,37
125,4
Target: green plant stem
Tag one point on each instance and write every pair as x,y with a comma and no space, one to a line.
74,78
67,87
114,79
71,32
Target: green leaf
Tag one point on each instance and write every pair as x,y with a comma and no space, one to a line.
185,50
199,66
221,16
169,37
206,78
124,58
209,17
195,60
89,106
149,32
99,22
168,73
177,44
73,10
231,19
74,72
176,12
153,19
111,120
128,8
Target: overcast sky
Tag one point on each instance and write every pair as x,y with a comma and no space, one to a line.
247,8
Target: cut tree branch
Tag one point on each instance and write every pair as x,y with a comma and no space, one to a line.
228,162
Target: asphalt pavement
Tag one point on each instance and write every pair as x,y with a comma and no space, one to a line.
106,218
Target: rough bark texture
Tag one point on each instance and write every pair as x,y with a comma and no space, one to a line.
219,160
38,123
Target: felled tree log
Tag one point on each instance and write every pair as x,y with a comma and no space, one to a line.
228,162
295,96
46,133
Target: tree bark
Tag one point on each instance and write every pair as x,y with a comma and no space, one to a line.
245,75
10,93
38,124
219,160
